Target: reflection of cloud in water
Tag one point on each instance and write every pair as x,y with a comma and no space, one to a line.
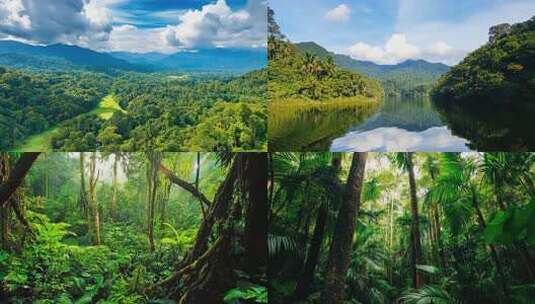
436,139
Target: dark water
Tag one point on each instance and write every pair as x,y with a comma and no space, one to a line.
399,124
507,125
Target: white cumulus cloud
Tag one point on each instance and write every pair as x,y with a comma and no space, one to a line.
398,49
341,13
51,21
217,25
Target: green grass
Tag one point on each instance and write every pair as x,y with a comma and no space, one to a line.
38,143
107,106
42,142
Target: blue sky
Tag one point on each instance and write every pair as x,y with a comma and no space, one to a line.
391,31
136,25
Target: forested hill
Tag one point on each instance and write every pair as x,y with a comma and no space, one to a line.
407,77
60,57
219,59
294,74
503,70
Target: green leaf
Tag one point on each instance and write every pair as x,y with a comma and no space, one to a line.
428,268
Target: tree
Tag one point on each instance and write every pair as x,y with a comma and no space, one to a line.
15,177
405,162
153,162
455,184
339,254
313,254
83,202
93,179
255,179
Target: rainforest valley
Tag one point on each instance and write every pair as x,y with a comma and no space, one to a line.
66,98
402,228
133,227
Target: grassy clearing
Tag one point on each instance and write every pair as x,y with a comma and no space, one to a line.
38,143
42,142
107,106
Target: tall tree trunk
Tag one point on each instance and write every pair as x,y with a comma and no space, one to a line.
83,192
154,160
5,210
313,255
255,180
10,181
164,199
416,249
93,179
16,176
307,276
200,253
113,206
340,251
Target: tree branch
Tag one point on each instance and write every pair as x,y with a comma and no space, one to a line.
185,185
16,177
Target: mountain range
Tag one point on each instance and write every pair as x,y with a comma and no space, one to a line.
68,57
420,72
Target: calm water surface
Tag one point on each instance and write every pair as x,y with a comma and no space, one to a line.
398,124
402,124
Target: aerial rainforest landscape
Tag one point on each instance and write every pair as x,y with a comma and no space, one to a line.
133,227
169,77
402,228
477,96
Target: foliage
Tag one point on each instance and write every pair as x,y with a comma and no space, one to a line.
252,294
428,295
292,74
148,111
500,71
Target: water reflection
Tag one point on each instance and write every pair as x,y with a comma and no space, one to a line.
311,130
491,127
435,139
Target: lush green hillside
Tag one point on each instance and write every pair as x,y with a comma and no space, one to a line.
407,78
502,71
293,74
31,103
167,114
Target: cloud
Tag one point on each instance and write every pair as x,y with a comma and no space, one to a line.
436,139
51,21
463,34
397,49
341,13
129,38
216,25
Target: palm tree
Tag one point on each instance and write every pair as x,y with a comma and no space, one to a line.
405,162
342,243
456,189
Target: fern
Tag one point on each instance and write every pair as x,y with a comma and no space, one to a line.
278,245
428,295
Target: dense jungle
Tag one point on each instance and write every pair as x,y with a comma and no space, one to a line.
402,228
133,227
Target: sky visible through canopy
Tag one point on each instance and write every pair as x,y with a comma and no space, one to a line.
391,31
